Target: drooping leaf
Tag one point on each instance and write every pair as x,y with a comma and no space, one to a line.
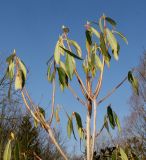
77,47
10,70
104,50
22,67
123,154
71,54
19,80
98,62
95,32
111,117
11,57
42,111
106,123
69,127
100,24
111,21
7,151
79,124
117,121
63,79
134,82
70,66
17,151
88,41
122,36
50,74
57,53
113,43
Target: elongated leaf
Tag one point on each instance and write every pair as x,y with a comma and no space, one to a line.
134,82
117,121
122,36
98,62
100,24
10,58
88,37
71,54
106,123
70,66
63,79
123,154
95,32
79,124
113,43
77,47
50,74
10,70
104,50
42,111
7,151
111,21
69,127
17,151
111,117
23,68
19,80
57,53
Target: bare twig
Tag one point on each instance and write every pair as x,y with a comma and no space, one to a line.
112,91
76,96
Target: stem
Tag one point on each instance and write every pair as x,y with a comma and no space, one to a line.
88,136
94,128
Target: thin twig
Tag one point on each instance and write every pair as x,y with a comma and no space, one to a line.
76,96
53,101
98,87
112,91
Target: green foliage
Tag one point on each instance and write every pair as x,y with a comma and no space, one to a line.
7,151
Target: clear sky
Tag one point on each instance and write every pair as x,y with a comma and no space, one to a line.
32,27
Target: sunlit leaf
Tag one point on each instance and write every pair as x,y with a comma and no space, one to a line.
57,53
95,32
70,66
113,43
123,154
98,62
7,151
104,50
10,70
117,121
63,79
19,80
71,54
122,36
111,21
111,117
69,127
77,47
22,67
50,74
100,24
79,124
134,82
57,115
11,57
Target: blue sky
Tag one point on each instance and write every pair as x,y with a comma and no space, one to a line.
32,27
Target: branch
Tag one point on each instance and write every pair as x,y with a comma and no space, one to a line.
53,99
76,96
99,83
112,91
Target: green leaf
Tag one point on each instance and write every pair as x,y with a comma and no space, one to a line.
111,21
50,74
79,124
77,47
19,80
57,53
111,117
123,154
122,36
104,50
117,121
11,58
95,32
17,151
106,123
69,127
113,43
70,66
134,82
71,54
98,62
42,111
7,151
22,67
100,23
10,70
63,79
